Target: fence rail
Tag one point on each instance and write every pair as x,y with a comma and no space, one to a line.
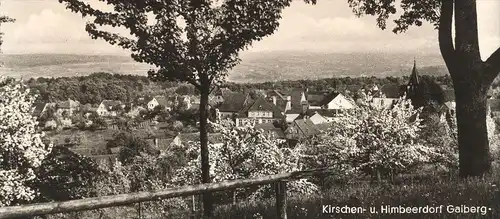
137,197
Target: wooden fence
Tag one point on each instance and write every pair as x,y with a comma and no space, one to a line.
279,181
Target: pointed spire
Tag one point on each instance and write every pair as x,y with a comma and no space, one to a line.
414,73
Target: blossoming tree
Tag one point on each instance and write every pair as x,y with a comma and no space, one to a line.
373,140
245,153
21,146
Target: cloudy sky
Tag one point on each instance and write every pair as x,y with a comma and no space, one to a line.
45,26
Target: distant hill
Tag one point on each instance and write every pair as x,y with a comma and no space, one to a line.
255,67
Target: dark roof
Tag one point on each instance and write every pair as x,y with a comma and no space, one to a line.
391,90
449,95
328,98
234,102
306,127
315,99
262,104
494,104
109,104
280,103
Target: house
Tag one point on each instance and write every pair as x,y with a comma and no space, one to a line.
66,108
257,112
336,101
161,101
233,103
304,128
387,95
269,128
109,108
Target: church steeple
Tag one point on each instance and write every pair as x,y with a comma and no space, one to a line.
414,74
414,79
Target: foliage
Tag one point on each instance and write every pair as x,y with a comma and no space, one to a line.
414,12
372,140
65,175
244,153
93,89
21,146
131,146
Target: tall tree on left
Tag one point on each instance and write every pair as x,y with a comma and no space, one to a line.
21,147
194,41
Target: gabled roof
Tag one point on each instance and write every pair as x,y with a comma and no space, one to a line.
109,104
234,102
262,105
449,95
306,127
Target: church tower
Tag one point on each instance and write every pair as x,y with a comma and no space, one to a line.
414,80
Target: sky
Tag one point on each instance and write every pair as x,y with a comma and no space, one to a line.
45,26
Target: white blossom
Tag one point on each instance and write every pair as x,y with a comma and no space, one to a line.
21,144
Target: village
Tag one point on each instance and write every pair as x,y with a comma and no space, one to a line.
289,117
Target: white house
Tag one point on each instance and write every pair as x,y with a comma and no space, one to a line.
109,107
337,101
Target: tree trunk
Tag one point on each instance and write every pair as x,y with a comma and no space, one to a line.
471,79
474,157
205,165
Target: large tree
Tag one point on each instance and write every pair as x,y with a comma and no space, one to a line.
196,41
471,76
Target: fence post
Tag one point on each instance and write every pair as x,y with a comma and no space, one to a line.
193,209
280,190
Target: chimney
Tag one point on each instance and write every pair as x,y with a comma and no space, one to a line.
288,103
274,100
